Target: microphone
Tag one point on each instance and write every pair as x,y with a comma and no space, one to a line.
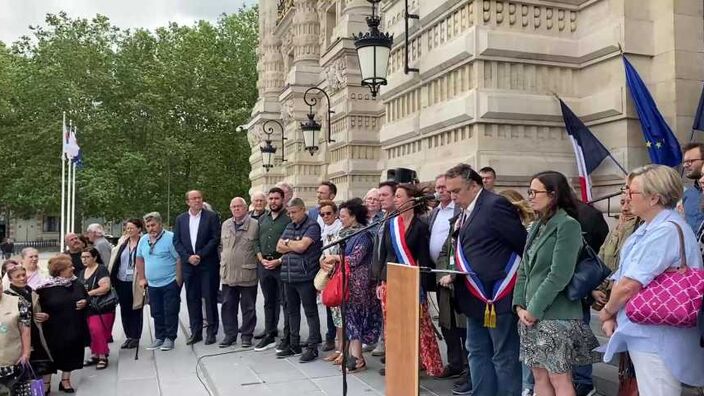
427,197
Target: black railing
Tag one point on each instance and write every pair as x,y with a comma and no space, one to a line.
49,243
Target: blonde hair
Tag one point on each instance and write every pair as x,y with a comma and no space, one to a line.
526,213
660,180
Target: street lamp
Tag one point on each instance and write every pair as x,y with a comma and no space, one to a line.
373,49
311,128
269,150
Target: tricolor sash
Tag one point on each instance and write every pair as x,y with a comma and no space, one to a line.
398,241
475,286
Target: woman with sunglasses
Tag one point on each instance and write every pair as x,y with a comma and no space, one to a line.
663,356
553,336
331,228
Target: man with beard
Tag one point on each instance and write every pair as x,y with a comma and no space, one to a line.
692,165
271,226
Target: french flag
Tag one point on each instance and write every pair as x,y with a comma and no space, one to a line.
587,149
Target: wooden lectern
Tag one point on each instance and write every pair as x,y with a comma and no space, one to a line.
403,329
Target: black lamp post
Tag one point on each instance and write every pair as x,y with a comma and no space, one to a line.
269,150
311,128
373,49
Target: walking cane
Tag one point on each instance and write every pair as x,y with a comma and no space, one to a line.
144,298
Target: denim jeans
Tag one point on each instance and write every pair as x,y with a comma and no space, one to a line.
165,303
493,356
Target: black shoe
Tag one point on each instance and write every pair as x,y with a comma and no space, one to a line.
126,344
462,379
246,343
465,389
134,344
266,343
261,335
66,389
583,389
285,353
329,346
383,359
210,340
228,342
194,339
450,372
309,355
382,371
283,345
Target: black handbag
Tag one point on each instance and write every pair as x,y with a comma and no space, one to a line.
589,273
105,303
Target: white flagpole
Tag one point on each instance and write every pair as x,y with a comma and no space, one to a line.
73,197
69,228
63,185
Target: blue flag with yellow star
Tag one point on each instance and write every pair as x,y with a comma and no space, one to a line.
662,144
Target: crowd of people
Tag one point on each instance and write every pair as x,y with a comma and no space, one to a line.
509,324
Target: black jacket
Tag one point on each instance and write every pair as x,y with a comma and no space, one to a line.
491,234
207,241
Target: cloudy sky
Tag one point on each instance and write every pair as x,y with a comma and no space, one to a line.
17,15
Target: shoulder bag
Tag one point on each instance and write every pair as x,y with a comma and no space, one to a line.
332,293
673,298
105,303
589,273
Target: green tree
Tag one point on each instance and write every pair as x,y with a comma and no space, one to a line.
156,113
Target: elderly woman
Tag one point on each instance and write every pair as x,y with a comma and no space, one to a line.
122,276
663,356
554,338
96,279
331,227
64,299
15,336
30,262
40,358
363,309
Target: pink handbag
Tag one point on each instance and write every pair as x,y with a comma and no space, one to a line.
673,298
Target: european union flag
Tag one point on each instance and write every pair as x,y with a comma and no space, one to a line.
662,144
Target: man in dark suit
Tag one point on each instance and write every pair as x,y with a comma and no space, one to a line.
196,239
491,239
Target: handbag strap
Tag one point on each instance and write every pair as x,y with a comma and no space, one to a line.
683,256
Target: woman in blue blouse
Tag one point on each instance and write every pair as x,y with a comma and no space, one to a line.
663,356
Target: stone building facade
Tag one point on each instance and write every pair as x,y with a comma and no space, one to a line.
489,71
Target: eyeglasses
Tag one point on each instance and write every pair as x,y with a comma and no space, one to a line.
691,161
532,193
630,193
323,214
86,257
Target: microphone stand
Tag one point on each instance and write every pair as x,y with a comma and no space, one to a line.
342,242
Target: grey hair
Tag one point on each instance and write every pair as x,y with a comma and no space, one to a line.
155,216
96,228
297,202
26,251
239,199
256,194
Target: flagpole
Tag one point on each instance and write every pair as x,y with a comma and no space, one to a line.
69,229
73,197
63,184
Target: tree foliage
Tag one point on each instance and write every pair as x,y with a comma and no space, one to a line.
156,113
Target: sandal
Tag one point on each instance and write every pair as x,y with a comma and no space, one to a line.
102,364
356,365
338,360
332,356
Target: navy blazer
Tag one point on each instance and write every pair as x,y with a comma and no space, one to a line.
491,234
207,241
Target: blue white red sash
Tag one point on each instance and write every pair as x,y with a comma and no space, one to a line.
398,241
475,286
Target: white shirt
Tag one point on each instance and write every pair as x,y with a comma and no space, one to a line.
193,223
440,230
469,209
329,233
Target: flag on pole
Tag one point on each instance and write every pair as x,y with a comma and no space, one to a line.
71,149
587,149
77,158
662,144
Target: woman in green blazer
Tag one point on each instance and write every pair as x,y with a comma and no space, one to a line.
553,336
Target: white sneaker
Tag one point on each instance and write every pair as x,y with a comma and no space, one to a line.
380,350
155,345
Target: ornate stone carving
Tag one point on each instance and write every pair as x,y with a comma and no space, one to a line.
283,8
336,75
